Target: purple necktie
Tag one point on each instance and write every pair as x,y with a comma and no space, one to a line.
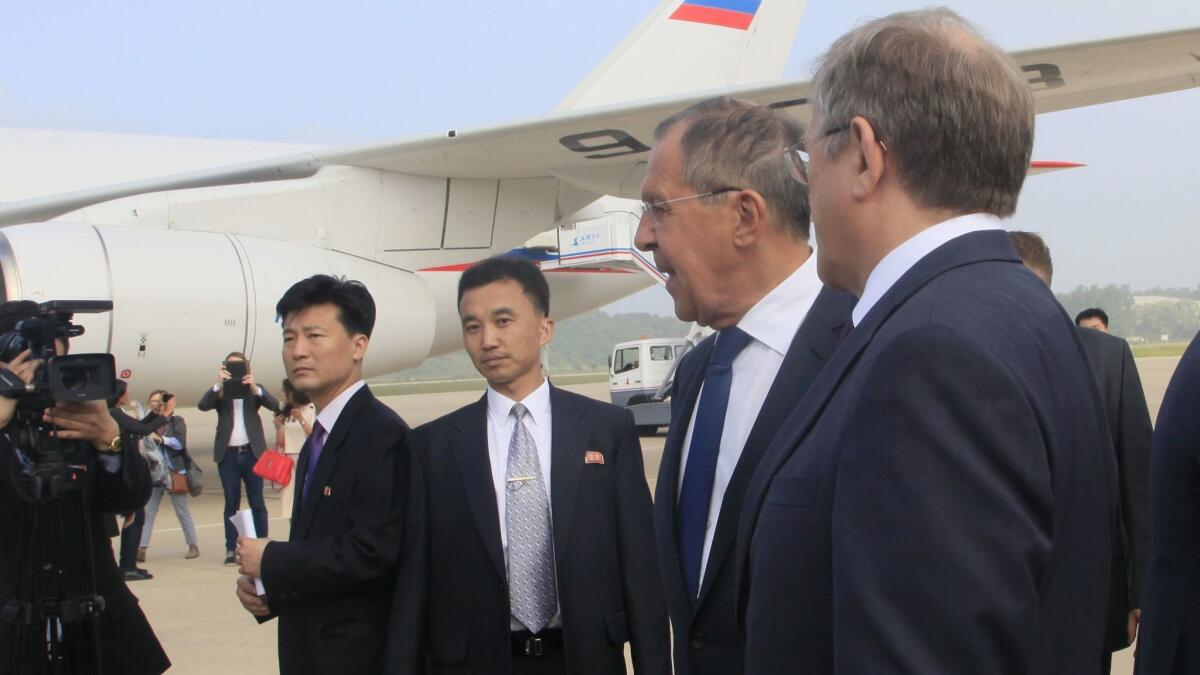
316,443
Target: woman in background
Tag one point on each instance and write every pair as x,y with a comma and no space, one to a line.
292,428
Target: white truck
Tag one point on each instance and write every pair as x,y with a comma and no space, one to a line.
641,374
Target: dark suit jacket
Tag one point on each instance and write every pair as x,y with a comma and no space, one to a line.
1129,425
224,407
943,499
608,586
707,637
330,584
1169,643
127,643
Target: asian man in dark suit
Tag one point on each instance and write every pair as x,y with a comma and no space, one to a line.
330,584
1129,427
539,545
943,499
740,262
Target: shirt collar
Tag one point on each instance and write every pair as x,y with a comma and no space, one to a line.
773,320
538,404
330,413
902,258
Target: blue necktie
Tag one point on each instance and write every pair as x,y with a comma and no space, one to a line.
696,494
316,443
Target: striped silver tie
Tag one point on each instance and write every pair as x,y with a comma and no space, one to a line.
533,593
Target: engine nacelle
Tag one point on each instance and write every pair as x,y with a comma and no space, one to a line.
182,300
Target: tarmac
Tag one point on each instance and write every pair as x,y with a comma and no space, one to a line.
191,603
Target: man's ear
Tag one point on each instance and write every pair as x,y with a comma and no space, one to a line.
751,211
361,342
547,331
871,159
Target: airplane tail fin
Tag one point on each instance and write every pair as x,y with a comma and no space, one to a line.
693,45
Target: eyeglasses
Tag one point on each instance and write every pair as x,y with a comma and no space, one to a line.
653,209
796,157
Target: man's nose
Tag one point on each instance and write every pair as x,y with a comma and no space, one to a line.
643,238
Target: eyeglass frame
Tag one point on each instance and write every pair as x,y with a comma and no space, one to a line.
649,207
796,157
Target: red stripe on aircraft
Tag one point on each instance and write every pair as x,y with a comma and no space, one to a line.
713,16
1052,164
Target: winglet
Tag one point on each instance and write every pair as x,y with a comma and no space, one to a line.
1046,166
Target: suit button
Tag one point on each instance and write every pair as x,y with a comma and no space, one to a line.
697,640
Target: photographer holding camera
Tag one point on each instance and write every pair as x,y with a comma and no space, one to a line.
64,468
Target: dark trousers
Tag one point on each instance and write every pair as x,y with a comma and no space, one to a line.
131,538
237,468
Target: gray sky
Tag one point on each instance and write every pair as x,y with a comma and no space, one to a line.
351,72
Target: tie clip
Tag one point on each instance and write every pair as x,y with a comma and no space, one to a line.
521,479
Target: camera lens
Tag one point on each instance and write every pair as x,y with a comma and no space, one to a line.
76,379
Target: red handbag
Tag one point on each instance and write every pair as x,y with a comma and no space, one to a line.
275,466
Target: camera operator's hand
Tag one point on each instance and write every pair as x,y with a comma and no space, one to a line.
246,593
23,367
83,420
248,380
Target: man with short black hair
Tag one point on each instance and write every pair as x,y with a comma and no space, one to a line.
1094,318
539,539
943,499
725,222
330,584
238,444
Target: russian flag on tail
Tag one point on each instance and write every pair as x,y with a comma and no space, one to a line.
726,13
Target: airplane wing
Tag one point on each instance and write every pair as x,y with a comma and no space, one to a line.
603,150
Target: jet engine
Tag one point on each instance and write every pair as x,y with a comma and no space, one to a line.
182,300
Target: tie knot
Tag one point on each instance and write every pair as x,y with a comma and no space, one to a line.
519,411
730,343
318,430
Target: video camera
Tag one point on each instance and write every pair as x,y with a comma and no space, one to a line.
77,377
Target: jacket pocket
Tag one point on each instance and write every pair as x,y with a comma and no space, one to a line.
448,649
794,491
618,630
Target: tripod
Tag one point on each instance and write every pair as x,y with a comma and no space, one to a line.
54,616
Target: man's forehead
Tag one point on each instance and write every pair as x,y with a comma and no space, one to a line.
664,170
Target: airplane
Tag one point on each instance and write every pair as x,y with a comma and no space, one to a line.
233,224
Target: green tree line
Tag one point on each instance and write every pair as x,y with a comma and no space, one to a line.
1178,318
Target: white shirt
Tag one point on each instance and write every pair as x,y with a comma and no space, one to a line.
902,258
237,435
328,416
500,423
772,323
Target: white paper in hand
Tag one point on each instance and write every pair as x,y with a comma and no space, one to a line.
244,522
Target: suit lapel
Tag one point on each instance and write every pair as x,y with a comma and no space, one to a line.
568,443
474,464
965,250
326,463
814,342
687,389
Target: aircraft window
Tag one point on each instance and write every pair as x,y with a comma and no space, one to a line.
627,359
661,353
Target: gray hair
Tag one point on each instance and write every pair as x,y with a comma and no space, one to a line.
736,143
954,111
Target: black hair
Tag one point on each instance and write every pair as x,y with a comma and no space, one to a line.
119,388
14,312
297,395
356,307
1092,313
239,355
505,268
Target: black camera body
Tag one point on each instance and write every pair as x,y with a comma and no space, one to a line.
76,377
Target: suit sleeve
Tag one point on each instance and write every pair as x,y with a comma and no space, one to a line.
645,604
127,489
209,400
364,552
407,625
1134,438
267,400
941,520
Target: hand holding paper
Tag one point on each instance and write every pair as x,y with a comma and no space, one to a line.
249,547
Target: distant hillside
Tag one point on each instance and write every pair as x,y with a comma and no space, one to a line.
1148,314
581,344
